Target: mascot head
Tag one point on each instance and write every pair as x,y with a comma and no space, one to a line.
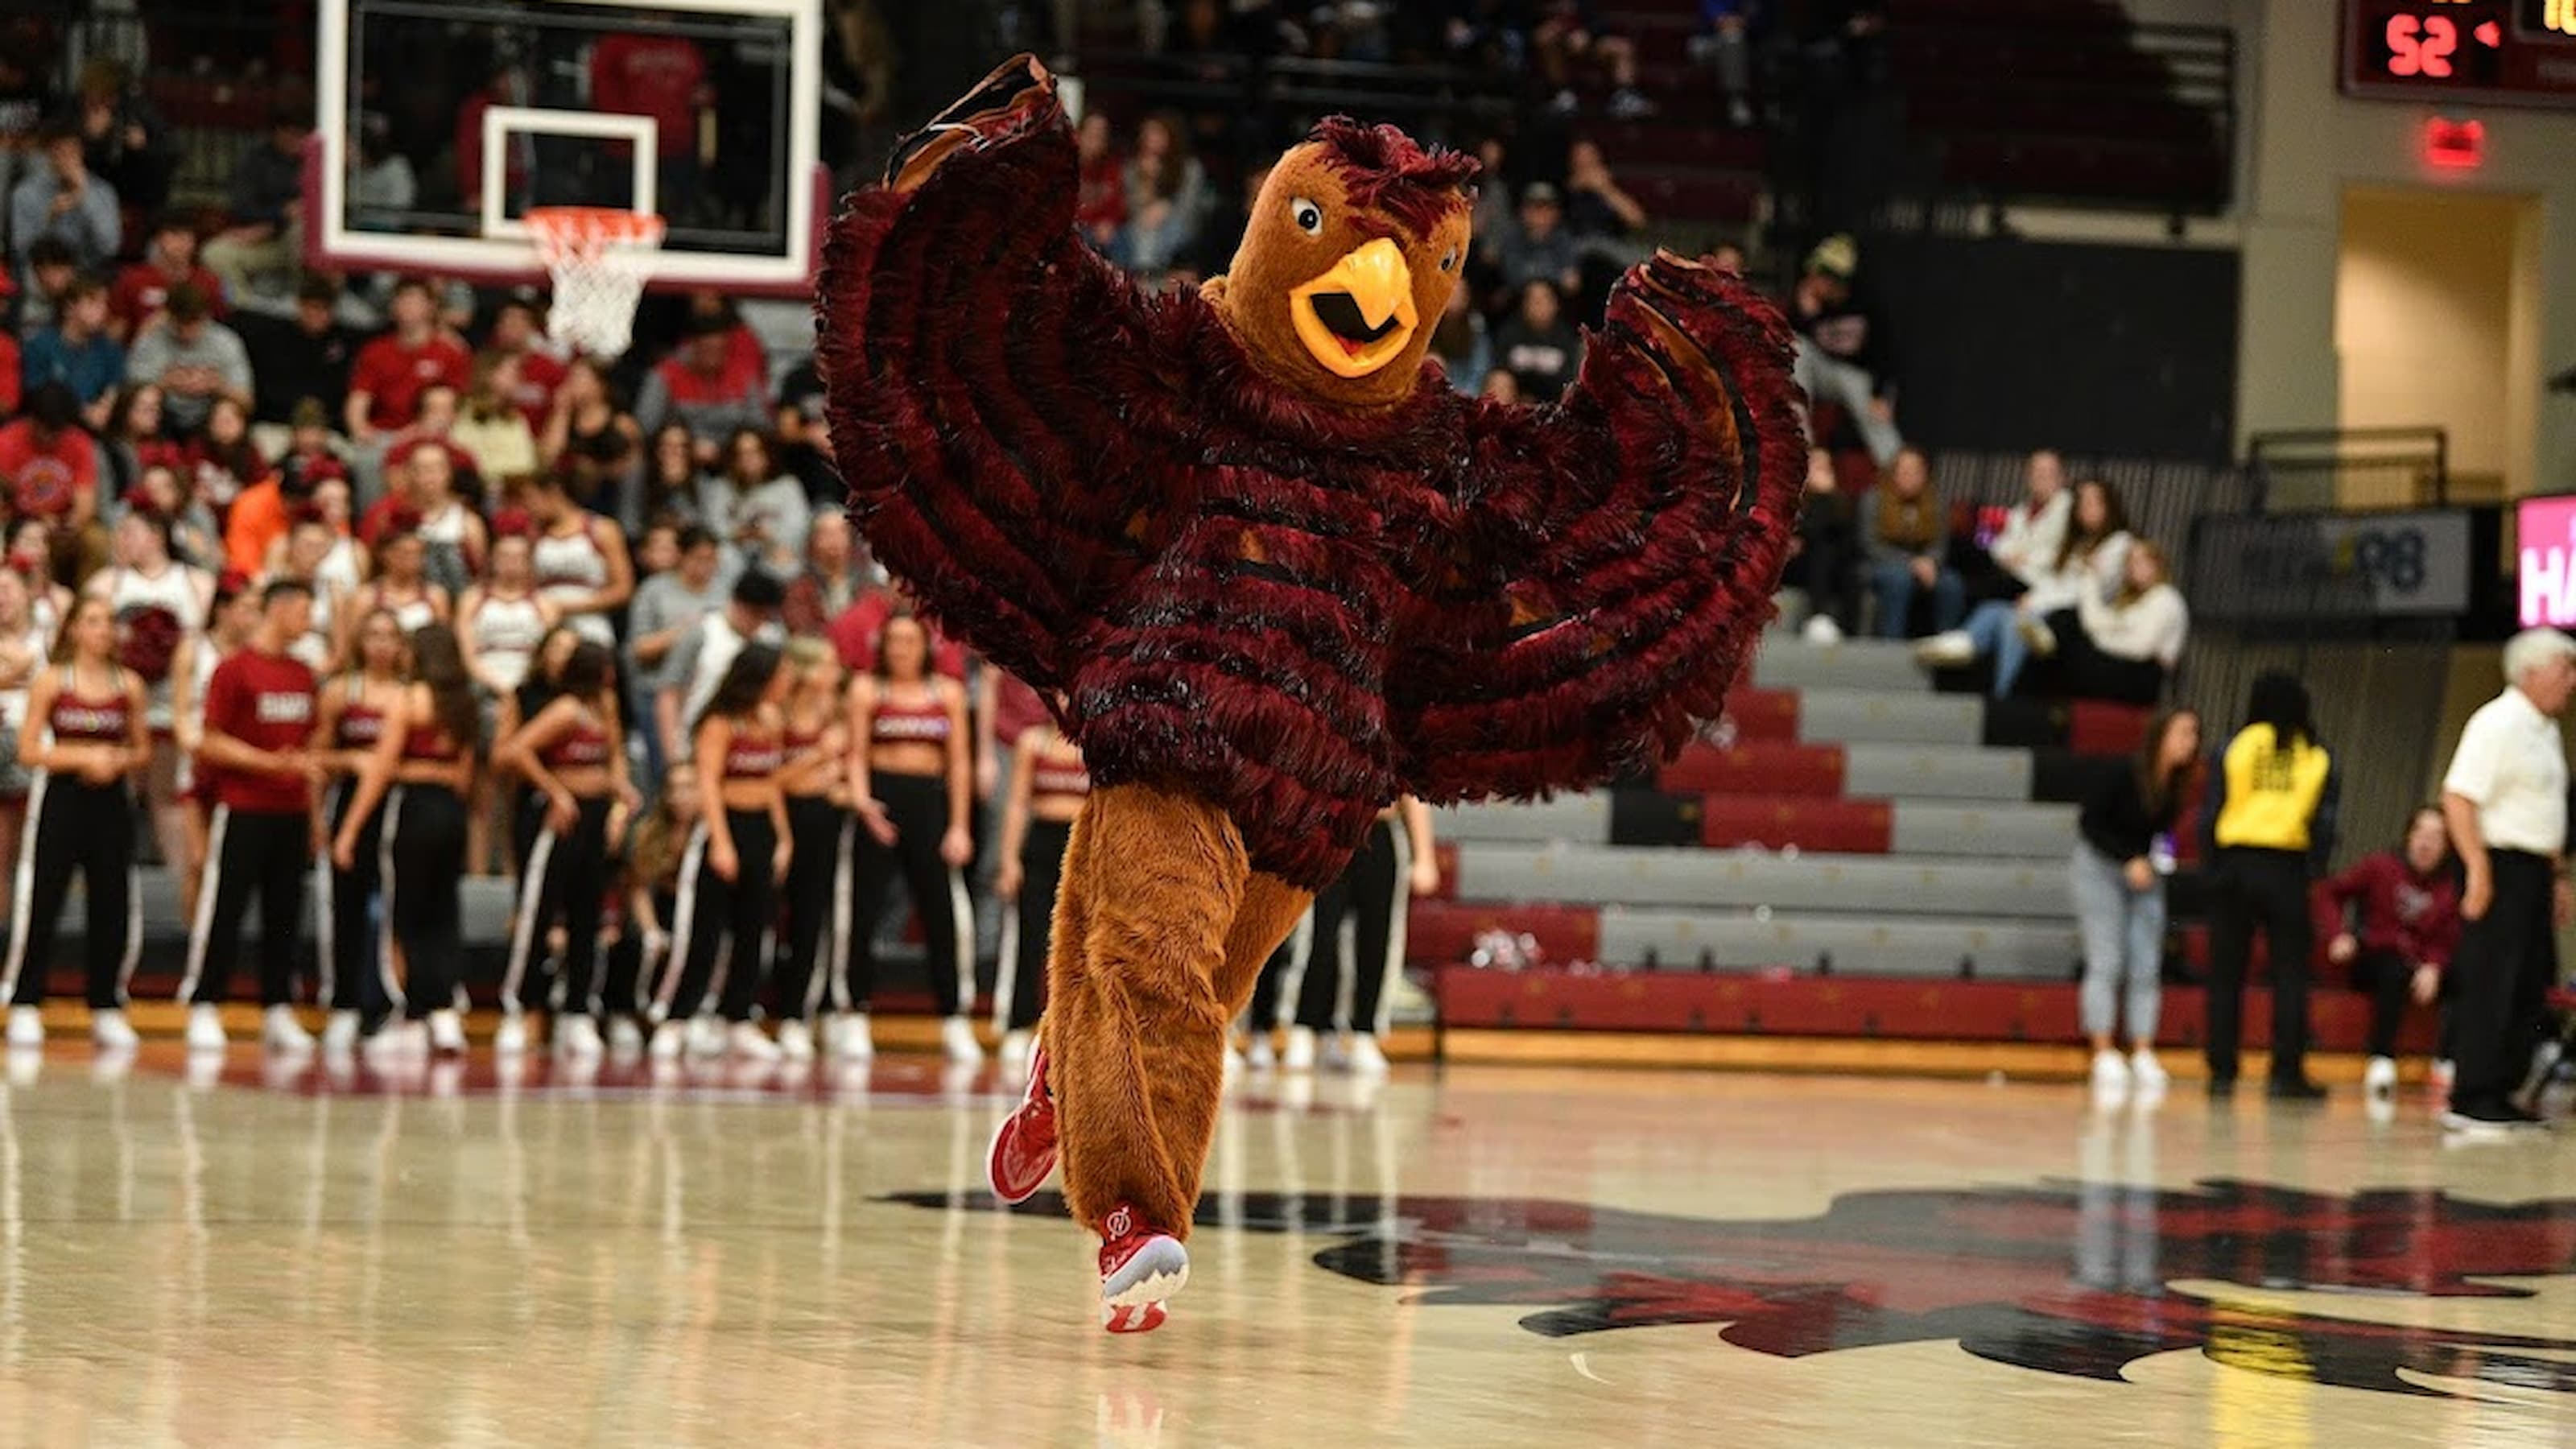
1353,248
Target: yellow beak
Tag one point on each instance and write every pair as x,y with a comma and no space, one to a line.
1356,317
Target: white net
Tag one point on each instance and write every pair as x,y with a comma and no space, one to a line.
600,260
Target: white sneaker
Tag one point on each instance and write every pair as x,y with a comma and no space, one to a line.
706,1037
1333,1052
1300,1055
750,1043
1016,1046
669,1039
26,1026
625,1038
1261,1057
577,1039
1821,629
112,1031
796,1041
2149,1074
446,1033
1952,648
957,1041
205,1029
282,1032
853,1040
2379,1079
340,1033
512,1037
1367,1060
2110,1074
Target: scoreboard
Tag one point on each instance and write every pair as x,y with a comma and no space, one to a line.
2492,52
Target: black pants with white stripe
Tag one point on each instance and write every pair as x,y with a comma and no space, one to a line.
1371,889
816,901
77,826
424,864
712,910
918,806
262,853
355,976
563,878
1041,870
2500,980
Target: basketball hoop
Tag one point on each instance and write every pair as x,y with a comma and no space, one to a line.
600,258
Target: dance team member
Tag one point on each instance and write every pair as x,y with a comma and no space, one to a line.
912,781
357,981
815,782
1047,787
573,756
737,855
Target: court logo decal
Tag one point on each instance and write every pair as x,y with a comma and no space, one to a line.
2063,1278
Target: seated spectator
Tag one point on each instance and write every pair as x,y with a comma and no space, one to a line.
26,98
1167,198
758,511
1500,386
491,427
265,511
669,487
400,585
1570,43
588,432
704,387
2088,565
582,566
169,261
705,652
1908,542
2034,532
836,575
1100,200
667,606
227,460
424,501
1725,44
52,469
123,138
518,333
2123,648
299,357
50,271
501,618
313,451
1466,353
2409,900
13,377
78,353
1492,213
265,242
163,497
809,459
1596,205
59,199
382,188
137,439
1826,565
1537,247
1842,350
391,372
1538,346
194,360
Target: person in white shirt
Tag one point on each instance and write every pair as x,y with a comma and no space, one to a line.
697,664
2089,560
2124,647
2035,530
2505,799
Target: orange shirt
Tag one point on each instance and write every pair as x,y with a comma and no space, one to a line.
258,518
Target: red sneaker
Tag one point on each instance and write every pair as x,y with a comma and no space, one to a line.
1141,1267
1024,1146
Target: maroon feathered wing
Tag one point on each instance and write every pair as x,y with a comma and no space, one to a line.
1612,556
982,364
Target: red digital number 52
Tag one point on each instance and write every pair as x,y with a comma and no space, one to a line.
2421,47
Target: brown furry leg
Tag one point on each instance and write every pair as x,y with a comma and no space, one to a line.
1269,912
1135,1028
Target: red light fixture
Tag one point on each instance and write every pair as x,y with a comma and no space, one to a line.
2454,145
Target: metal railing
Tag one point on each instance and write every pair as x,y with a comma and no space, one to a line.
2397,467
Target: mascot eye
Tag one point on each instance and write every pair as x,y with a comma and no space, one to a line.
1308,216
1449,260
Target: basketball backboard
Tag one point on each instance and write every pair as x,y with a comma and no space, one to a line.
440,122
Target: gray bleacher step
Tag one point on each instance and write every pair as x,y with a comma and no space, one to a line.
1858,945
1882,717
1935,772
1746,879
1873,664
2002,831
1577,819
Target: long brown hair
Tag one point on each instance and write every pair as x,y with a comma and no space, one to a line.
2130,593
438,665
2155,785
2115,519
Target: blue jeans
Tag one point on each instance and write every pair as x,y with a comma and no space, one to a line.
2124,944
1895,586
1996,626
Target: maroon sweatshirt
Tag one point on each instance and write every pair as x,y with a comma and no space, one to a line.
2415,916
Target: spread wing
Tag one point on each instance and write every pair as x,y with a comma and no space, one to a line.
1610,558
998,393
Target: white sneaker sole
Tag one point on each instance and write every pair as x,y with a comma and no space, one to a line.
1157,1286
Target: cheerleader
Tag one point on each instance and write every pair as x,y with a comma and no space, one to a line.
349,722
84,735
571,754
24,643
737,855
648,896
912,784
1048,786
1372,890
422,772
815,782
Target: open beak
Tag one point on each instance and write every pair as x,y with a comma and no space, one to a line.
1355,318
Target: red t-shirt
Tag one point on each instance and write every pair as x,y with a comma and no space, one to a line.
394,376
9,375
539,376
854,638
650,75
45,481
266,701
142,290
1017,709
